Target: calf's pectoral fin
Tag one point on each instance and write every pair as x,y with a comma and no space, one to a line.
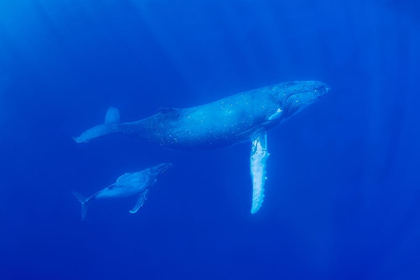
140,201
259,155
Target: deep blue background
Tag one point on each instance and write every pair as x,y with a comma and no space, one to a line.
343,191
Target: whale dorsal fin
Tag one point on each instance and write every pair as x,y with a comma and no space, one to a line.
122,177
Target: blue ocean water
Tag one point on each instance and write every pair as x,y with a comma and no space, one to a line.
342,195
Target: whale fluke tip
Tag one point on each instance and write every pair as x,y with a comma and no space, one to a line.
83,201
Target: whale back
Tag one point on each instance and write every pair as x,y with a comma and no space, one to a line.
220,123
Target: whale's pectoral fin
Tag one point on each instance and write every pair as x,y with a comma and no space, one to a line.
140,202
259,155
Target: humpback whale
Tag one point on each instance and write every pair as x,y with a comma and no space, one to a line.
246,116
128,184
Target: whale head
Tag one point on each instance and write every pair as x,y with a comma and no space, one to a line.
292,97
159,169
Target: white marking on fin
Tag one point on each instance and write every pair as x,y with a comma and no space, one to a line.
140,202
259,157
276,115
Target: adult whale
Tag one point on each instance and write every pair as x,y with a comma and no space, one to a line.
241,117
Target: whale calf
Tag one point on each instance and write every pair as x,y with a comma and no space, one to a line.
245,116
129,184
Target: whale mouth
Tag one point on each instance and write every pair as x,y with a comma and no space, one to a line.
162,168
309,95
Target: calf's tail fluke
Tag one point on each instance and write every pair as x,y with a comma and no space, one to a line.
110,126
83,200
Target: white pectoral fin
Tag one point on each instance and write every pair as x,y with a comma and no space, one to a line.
259,157
140,202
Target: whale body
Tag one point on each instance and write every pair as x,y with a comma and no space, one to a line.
245,116
128,184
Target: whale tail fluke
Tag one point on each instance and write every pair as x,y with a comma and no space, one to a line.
83,200
112,118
